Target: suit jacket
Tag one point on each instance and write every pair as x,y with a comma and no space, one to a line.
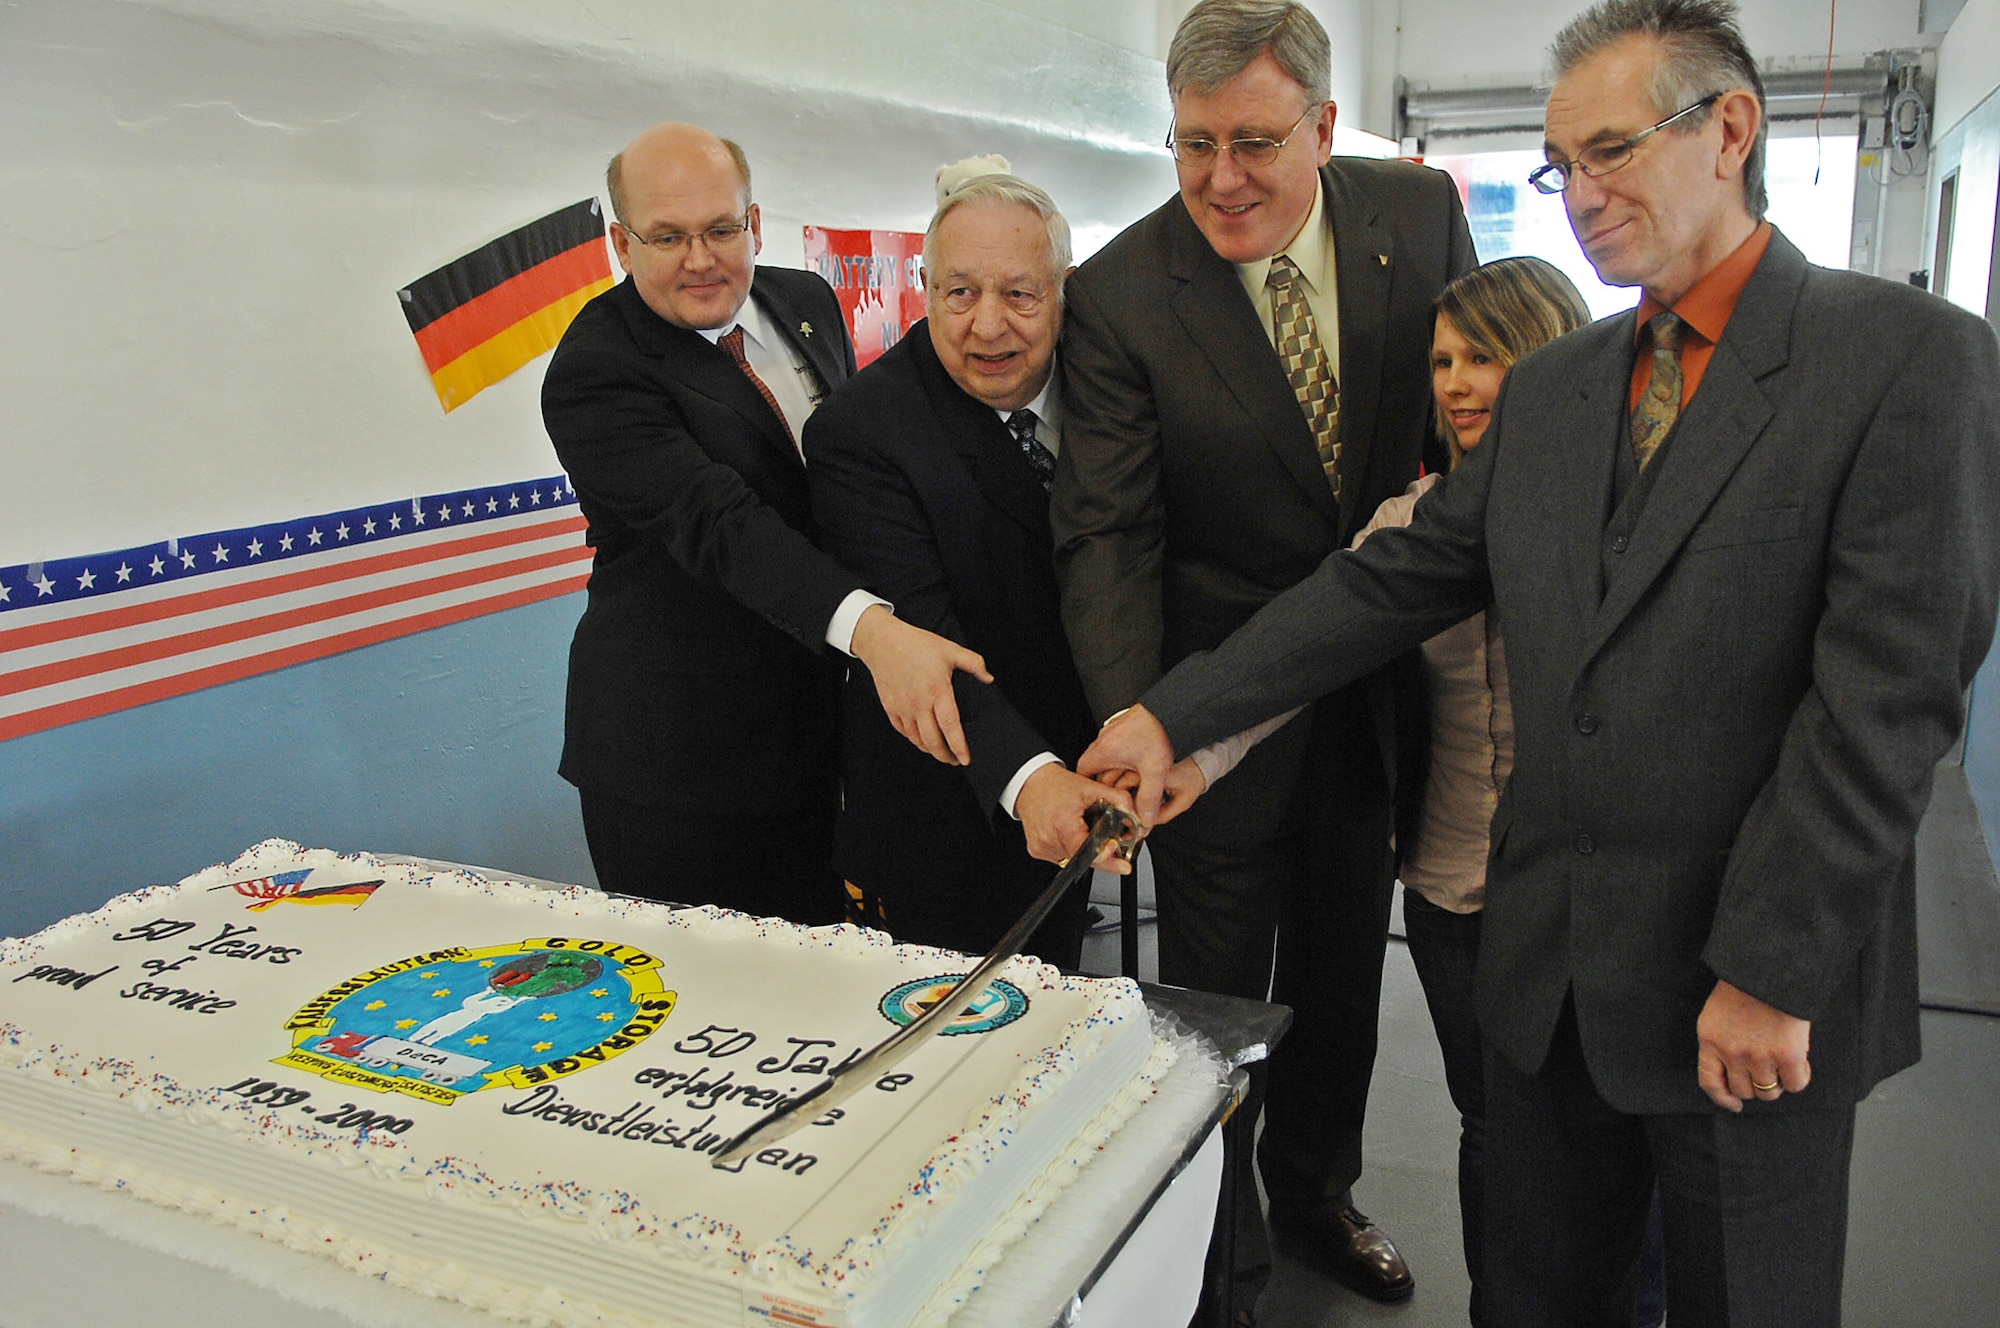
1189,490
921,488
699,675
1725,744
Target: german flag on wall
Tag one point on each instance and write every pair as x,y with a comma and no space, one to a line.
481,318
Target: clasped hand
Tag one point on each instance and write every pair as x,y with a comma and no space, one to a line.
1052,805
1749,1050
1132,753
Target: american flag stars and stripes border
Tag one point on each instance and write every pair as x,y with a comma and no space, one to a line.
87,636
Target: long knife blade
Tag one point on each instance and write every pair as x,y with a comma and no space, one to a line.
1112,826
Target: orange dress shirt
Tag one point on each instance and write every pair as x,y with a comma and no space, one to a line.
1706,309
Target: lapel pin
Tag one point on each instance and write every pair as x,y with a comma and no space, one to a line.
1383,259
806,329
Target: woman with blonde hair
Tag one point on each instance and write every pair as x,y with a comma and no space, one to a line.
1487,320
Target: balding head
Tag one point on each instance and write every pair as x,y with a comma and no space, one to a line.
671,146
687,230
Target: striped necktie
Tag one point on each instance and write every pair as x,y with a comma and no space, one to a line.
732,341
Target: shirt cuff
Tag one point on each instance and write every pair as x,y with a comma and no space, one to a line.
1013,789
840,630
1224,755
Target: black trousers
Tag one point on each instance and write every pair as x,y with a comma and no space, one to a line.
1444,947
1756,1204
969,901
1276,885
764,864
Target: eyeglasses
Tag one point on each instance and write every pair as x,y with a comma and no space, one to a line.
1604,158
1247,151
675,243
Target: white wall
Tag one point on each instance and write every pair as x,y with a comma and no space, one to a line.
1455,44
1968,64
207,206
1967,139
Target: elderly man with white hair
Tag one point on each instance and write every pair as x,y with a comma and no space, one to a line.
930,475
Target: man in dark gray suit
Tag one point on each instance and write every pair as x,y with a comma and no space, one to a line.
1743,548
1247,376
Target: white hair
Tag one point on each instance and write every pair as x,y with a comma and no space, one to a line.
988,179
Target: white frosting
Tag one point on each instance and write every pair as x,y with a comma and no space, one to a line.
137,1049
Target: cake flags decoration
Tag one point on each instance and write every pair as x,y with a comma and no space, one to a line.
285,888
353,894
482,317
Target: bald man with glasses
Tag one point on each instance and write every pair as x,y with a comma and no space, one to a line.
705,669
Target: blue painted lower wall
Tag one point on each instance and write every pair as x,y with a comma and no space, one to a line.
443,744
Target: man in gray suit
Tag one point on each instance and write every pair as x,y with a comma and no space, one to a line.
1743,548
1247,376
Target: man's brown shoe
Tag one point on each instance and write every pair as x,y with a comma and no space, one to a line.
1355,1251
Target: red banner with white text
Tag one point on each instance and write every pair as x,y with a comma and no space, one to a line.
874,274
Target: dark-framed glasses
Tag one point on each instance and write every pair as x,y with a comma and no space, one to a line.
1604,158
1247,151
675,243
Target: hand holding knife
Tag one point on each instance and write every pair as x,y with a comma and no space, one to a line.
1111,828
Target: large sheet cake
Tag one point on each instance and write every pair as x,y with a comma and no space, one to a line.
512,1096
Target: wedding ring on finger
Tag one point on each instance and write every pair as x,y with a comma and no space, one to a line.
1764,1088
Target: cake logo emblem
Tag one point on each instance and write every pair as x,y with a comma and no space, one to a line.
998,1006
440,1025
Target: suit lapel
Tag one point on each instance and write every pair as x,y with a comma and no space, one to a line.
1364,258
1219,319
1729,413
1588,435
789,320
703,367
983,441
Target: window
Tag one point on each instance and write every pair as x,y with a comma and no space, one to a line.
1508,217
1947,217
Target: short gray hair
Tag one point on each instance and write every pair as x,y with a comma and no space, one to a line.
1702,53
1010,189
1219,38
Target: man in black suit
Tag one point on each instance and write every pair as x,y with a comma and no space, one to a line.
700,721
930,474
1203,475
1742,542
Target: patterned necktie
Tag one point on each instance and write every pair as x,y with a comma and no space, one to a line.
1299,350
732,341
1022,423
1660,404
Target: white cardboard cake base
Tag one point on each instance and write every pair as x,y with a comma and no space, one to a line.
72,1254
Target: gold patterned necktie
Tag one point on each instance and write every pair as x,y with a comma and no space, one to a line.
1304,358
1660,404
